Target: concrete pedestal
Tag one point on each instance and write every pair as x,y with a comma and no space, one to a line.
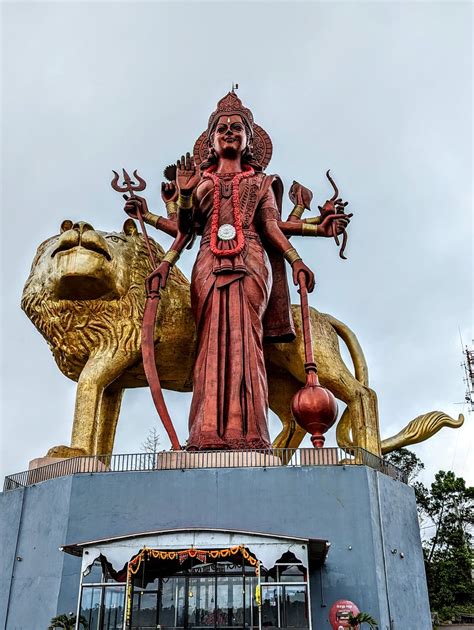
375,558
172,460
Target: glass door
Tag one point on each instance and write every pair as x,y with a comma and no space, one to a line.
295,607
230,602
212,596
113,608
285,606
271,608
144,609
201,602
102,606
90,605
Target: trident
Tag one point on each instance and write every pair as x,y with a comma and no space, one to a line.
149,313
132,188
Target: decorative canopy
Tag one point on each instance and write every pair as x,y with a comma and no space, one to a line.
267,548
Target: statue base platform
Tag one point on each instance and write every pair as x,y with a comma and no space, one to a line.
364,520
38,468
172,460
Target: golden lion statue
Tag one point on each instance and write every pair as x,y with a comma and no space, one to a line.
85,294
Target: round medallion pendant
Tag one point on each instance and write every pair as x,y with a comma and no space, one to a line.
226,232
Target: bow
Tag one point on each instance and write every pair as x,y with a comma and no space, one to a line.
149,316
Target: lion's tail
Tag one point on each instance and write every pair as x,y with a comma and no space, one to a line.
361,371
420,429
365,406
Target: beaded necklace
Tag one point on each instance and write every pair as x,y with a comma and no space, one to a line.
235,206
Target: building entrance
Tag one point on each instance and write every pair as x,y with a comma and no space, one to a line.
191,593
218,595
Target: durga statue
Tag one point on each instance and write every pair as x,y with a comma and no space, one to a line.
239,290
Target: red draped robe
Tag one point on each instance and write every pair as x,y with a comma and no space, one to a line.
229,297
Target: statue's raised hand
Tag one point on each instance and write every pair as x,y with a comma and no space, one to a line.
300,195
187,176
169,191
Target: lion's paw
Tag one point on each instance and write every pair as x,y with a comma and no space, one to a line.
66,451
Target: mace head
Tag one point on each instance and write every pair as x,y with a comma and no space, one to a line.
315,410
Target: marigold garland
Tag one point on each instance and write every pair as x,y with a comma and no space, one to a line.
214,554
235,206
135,563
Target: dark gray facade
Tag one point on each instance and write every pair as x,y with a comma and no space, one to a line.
375,557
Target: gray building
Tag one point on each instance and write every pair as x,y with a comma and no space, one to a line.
223,546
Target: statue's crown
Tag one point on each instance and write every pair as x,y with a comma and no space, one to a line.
230,105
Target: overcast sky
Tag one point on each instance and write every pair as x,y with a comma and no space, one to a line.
378,92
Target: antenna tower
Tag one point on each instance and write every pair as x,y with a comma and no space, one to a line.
468,365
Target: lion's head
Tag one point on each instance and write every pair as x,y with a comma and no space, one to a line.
81,263
85,292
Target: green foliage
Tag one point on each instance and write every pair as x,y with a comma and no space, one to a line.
356,620
407,462
67,622
448,553
446,508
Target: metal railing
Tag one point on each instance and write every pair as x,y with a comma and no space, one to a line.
182,460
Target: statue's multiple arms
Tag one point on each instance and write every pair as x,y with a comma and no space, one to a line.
179,205
276,231
321,225
187,178
318,226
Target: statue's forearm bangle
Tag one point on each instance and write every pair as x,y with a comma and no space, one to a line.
171,256
185,202
151,219
313,220
291,255
309,230
297,211
171,208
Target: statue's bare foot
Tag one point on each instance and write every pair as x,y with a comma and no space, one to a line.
66,451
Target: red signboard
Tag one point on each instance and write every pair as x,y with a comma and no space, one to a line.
339,614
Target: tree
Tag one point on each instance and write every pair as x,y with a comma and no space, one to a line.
355,621
67,622
411,465
150,446
447,508
407,462
152,441
448,553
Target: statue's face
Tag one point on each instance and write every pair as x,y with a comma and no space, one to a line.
229,138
